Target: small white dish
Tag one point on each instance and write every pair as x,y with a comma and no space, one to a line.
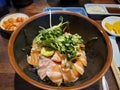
95,9
12,15
5,32
111,20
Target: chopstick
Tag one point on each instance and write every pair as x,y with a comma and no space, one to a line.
116,72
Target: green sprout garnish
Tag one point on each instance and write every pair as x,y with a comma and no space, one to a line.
56,39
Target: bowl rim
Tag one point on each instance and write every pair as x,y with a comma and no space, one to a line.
40,85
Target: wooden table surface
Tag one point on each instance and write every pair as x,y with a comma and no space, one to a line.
9,80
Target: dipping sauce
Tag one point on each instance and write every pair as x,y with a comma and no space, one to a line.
113,10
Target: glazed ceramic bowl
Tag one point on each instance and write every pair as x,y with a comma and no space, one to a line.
10,22
111,20
98,52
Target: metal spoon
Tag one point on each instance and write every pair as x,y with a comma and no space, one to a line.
104,83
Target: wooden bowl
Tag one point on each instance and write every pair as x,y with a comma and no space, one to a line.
99,52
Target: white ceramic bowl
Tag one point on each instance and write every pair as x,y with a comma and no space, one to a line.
111,20
14,16
6,32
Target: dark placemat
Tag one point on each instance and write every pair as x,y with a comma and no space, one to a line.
20,84
67,3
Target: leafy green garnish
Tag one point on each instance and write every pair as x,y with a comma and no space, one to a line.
57,39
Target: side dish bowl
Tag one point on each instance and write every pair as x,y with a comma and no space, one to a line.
11,22
111,25
98,52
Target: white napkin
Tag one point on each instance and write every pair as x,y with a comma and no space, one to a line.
116,52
